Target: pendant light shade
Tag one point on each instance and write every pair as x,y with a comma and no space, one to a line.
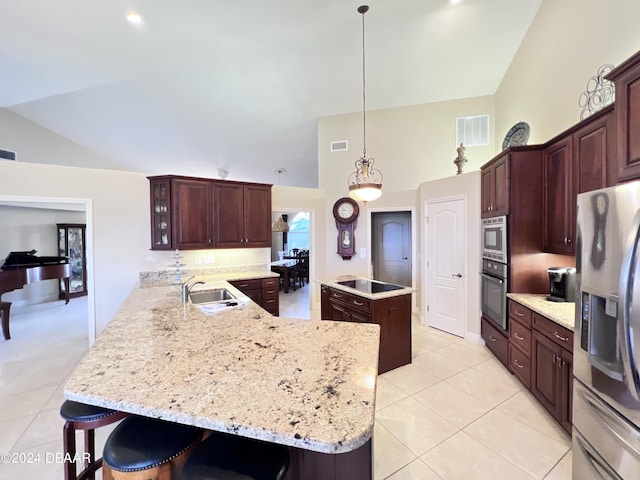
280,225
365,184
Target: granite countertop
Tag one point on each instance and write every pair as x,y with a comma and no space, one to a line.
303,383
563,313
373,296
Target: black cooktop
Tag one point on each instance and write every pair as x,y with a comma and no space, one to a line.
368,286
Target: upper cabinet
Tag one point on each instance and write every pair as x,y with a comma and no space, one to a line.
627,107
242,215
495,187
577,161
199,213
191,213
558,197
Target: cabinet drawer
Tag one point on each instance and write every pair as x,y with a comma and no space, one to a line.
520,337
520,313
271,282
520,365
354,301
496,341
243,285
560,335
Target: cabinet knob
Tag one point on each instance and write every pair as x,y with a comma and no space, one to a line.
459,275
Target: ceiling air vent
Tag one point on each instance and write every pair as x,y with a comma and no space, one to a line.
7,155
472,131
340,146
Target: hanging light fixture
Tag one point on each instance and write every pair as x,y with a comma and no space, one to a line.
280,225
365,184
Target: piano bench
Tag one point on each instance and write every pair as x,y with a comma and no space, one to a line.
4,312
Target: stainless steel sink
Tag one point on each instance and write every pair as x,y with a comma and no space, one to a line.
214,295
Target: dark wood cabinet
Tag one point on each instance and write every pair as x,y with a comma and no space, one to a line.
262,291
242,215
191,213
495,187
72,244
199,213
496,340
513,182
559,197
627,112
594,152
393,314
520,342
161,237
552,369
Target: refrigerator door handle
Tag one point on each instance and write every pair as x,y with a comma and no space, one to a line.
627,277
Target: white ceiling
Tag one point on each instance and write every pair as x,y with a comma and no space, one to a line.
239,85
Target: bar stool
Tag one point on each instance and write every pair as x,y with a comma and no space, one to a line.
80,416
228,457
148,448
4,312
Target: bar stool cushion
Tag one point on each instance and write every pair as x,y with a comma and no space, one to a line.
229,457
141,443
79,412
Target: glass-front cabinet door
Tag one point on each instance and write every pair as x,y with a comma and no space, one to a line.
71,244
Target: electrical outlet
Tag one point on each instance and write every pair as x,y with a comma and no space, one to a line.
363,252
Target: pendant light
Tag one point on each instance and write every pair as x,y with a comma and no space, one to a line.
365,184
280,225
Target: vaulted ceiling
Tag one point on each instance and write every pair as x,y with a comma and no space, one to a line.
202,85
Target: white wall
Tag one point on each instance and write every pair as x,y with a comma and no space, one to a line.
566,44
117,222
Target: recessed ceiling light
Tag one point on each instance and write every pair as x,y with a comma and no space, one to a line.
134,17
453,2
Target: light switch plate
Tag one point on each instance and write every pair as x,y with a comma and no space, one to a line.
363,252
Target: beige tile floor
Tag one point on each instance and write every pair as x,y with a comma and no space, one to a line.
454,413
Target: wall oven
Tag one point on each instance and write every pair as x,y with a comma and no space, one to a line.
494,291
494,238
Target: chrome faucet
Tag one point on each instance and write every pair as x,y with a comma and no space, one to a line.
186,289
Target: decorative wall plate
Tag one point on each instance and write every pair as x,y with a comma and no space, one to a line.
517,136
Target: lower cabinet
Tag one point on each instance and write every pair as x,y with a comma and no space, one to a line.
393,314
541,357
496,340
552,376
263,291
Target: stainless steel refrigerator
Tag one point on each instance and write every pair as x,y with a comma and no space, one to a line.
606,392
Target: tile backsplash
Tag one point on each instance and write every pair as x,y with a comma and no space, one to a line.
159,267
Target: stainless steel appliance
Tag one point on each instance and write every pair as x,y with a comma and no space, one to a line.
494,291
494,238
606,396
562,284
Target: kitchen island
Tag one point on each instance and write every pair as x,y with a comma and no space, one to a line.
355,299
306,384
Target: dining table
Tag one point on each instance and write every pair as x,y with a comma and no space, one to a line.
284,268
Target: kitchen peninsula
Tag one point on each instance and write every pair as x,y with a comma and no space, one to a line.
306,384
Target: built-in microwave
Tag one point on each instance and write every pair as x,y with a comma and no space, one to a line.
494,238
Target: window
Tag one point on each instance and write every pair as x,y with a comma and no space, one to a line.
298,235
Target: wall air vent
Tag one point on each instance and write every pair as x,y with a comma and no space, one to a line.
472,131
7,155
340,146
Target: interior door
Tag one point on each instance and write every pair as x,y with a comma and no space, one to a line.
446,283
391,232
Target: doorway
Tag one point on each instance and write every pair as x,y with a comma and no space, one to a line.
446,265
391,243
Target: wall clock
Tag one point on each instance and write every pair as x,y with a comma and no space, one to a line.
346,211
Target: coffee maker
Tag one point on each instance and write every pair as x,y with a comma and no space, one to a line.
562,284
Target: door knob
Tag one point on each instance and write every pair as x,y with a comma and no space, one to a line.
459,275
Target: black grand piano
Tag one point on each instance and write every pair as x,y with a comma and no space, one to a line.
22,268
